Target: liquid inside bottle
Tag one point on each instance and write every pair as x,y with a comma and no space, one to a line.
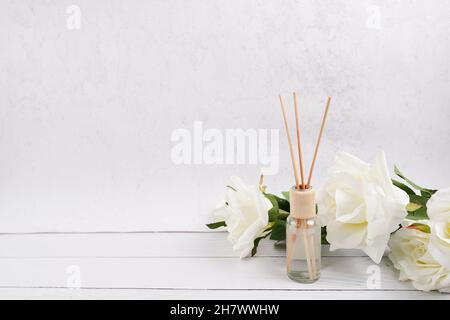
303,245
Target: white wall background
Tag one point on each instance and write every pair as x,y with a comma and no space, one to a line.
86,115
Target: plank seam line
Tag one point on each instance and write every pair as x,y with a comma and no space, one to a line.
159,257
106,232
206,289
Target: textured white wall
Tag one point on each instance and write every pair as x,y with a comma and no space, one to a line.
86,115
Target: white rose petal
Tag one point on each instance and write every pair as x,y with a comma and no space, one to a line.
245,212
439,214
409,254
360,206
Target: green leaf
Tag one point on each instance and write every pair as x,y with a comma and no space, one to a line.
424,191
402,186
411,207
256,243
286,195
418,200
279,207
401,175
427,193
273,212
420,214
216,225
279,230
283,204
282,215
272,199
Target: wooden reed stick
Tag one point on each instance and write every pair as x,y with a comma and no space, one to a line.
290,250
309,243
316,150
313,258
309,258
290,245
291,150
299,147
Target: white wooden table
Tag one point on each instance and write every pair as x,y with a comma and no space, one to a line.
177,265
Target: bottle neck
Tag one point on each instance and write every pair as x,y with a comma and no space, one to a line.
299,222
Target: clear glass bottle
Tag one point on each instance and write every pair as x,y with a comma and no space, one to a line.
303,244
303,238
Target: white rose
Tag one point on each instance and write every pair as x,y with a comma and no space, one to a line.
360,206
409,254
439,213
245,212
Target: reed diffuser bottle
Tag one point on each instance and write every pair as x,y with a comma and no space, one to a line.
303,234
303,237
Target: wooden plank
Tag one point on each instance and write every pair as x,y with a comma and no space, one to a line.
190,265
154,244
141,294
338,273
